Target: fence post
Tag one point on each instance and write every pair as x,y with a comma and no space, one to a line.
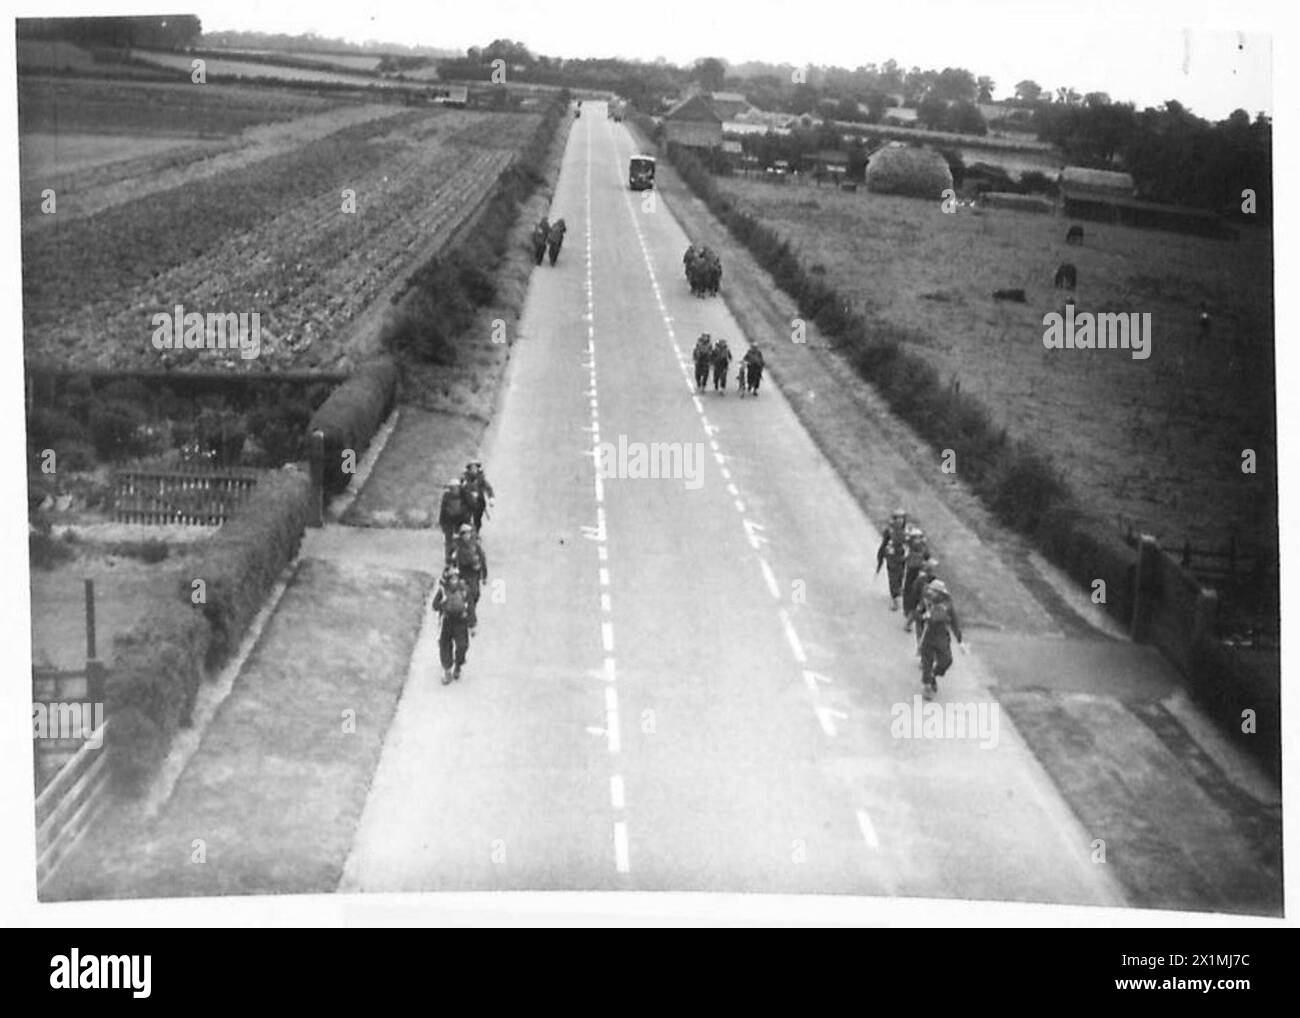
316,452
1204,616
94,667
1144,574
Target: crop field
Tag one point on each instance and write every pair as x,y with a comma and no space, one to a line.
268,235
1156,444
230,67
112,107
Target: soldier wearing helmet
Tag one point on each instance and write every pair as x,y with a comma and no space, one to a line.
918,550
893,553
475,481
938,622
469,558
455,509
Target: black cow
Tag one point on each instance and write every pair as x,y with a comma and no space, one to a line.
1074,235
1016,295
1067,276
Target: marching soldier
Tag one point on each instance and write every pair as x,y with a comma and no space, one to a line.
703,356
753,361
475,480
721,362
938,620
454,511
893,554
452,602
917,592
918,550
470,560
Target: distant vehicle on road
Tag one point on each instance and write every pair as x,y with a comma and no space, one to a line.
641,173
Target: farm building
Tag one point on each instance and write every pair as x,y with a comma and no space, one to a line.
693,122
453,95
1108,197
729,105
829,164
901,169
1020,202
1086,184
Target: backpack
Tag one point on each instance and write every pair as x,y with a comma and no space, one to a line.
455,601
940,612
467,558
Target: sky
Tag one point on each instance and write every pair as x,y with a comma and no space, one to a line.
1213,56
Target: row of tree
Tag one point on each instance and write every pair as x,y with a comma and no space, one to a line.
173,31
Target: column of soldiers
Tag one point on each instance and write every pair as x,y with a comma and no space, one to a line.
465,502
714,356
927,602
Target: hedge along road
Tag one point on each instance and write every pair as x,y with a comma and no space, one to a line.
688,683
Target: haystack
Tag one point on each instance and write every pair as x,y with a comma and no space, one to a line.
902,169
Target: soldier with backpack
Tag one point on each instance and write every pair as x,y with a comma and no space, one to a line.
938,620
452,601
470,560
703,356
454,511
721,362
893,554
918,550
475,479
753,363
918,592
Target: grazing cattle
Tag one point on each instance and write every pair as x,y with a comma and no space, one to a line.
1067,276
1203,320
1016,295
1074,235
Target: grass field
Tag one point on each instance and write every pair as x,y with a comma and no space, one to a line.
1157,442
269,235
228,67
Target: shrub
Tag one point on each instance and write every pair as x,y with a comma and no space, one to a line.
75,456
114,428
151,551
45,551
281,431
1037,182
51,428
240,565
150,691
352,414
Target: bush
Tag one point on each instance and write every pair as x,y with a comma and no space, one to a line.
1036,182
240,565
352,414
115,427
151,551
45,551
75,456
50,428
281,431
150,691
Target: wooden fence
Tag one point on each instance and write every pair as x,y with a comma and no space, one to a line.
197,496
72,774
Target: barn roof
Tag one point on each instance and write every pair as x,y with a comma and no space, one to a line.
728,105
696,109
1119,184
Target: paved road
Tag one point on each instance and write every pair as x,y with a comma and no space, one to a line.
686,683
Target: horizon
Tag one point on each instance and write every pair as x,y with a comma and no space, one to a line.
1222,62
